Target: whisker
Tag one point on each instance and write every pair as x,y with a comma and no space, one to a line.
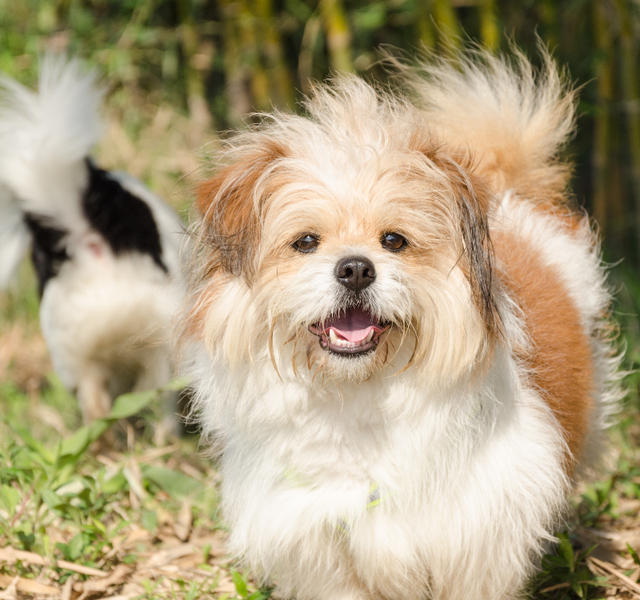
293,354
309,355
414,354
320,365
272,326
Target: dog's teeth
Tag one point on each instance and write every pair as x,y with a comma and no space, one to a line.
369,337
333,338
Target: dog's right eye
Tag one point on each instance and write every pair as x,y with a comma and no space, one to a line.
306,243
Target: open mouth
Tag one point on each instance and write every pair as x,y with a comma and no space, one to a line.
351,333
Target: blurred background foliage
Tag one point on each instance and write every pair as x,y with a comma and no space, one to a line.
217,61
214,62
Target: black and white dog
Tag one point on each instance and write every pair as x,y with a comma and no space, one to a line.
106,250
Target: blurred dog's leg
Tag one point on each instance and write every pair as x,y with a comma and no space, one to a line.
158,372
94,397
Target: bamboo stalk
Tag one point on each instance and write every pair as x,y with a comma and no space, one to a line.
424,23
305,58
141,14
604,72
239,102
252,64
549,13
450,32
631,97
338,35
280,85
195,77
489,30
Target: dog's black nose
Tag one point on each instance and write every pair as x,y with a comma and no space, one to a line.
355,272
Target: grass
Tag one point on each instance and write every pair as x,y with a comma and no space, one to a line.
146,517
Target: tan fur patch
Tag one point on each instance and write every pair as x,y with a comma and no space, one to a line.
229,206
560,359
229,228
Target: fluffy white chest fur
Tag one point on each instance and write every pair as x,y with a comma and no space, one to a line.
400,350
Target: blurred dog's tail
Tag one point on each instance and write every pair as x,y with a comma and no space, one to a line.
45,139
512,117
14,236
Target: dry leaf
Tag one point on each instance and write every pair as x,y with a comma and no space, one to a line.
182,525
164,557
132,589
217,544
116,577
191,471
225,586
133,476
11,555
10,593
67,588
28,586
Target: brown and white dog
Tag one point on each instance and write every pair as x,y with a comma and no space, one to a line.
398,333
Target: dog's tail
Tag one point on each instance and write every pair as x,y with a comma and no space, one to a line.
512,117
45,138
14,236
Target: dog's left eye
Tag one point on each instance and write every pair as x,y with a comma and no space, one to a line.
306,243
393,242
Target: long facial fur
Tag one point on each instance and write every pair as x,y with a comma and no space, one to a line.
377,178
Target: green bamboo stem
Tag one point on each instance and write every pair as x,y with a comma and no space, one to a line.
338,35
280,85
602,126
251,60
305,58
239,103
631,97
140,15
195,77
424,23
549,18
489,30
448,25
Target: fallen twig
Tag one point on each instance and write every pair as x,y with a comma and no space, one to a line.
11,555
29,586
553,588
609,568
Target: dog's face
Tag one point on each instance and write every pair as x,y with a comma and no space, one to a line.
349,255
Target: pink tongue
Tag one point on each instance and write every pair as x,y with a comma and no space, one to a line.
352,326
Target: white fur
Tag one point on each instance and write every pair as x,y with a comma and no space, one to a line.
14,236
463,452
46,137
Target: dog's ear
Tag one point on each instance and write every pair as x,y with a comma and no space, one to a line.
231,204
473,199
473,204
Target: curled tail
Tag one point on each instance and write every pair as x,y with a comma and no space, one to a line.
510,116
45,137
